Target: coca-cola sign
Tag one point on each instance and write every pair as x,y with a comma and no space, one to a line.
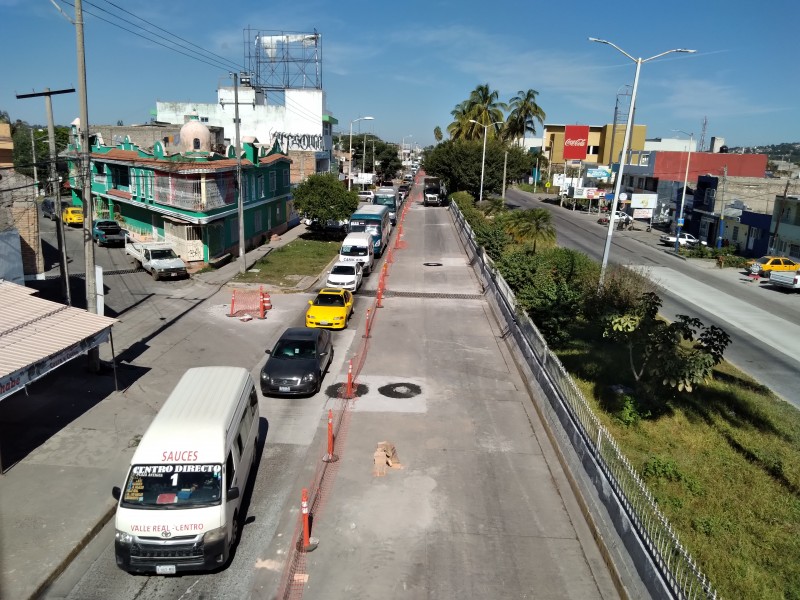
576,142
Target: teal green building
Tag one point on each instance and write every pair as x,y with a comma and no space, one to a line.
188,199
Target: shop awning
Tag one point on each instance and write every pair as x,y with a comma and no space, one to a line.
38,335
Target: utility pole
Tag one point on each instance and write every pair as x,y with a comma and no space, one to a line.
240,200
774,239
33,160
721,207
536,176
505,162
93,354
55,181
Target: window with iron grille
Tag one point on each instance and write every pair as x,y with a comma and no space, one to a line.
272,181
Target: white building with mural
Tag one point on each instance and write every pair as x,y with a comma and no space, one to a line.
280,100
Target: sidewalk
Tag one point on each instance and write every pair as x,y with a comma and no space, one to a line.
73,436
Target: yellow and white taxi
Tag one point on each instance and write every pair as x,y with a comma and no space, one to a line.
331,308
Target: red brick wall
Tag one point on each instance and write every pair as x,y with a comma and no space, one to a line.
671,166
26,220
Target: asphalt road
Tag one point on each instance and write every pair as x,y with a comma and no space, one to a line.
511,519
772,363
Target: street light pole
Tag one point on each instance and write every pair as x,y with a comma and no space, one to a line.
239,199
33,159
683,195
483,159
625,143
350,156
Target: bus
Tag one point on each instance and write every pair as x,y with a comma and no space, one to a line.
373,219
386,196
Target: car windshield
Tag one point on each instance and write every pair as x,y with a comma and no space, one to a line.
764,260
329,300
353,250
163,253
173,486
385,200
294,349
343,270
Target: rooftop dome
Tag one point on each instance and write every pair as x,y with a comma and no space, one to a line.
195,137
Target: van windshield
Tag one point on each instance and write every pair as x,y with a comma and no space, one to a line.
353,250
173,486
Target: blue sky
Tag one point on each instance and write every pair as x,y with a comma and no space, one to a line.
409,63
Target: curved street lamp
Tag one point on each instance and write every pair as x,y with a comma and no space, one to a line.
350,158
626,141
483,160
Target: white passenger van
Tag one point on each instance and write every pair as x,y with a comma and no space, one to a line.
179,507
358,247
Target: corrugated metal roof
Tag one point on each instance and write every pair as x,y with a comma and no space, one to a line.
33,329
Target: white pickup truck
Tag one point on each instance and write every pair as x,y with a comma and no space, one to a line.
158,259
785,279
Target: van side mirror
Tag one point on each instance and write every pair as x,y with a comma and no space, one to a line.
116,492
311,302
233,493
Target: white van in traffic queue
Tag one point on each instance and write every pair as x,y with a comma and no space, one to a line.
358,247
179,507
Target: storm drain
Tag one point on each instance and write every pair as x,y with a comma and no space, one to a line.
402,294
432,264
105,273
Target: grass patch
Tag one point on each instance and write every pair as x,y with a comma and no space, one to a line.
723,464
306,256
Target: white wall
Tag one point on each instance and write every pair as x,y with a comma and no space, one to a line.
297,125
670,145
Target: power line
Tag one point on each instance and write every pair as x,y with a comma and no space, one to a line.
224,59
219,65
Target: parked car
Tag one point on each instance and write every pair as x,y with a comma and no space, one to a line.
297,363
49,208
767,264
72,215
331,308
686,239
345,275
106,232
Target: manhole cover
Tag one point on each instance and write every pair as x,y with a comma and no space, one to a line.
400,390
432,264
333,391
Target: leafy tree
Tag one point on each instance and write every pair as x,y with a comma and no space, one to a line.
458,163
323,197
524,113
4,118
493,237
437,133
549,286
531,226
667,357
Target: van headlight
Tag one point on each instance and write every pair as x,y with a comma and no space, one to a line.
123,537
214,536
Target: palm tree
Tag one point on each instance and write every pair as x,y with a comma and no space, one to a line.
437,133
483,106
524,112
460,127
531,226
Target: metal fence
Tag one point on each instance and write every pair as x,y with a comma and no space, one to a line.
666,555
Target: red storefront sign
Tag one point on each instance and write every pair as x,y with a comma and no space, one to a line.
576,142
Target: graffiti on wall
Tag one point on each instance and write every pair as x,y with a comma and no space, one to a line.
298,141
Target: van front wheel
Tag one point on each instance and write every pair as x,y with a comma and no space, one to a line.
235,531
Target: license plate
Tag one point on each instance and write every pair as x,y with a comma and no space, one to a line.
283,388
324,323
165,569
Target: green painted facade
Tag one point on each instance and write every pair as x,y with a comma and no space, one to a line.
189,199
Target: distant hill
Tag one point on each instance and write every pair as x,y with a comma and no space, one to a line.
789,151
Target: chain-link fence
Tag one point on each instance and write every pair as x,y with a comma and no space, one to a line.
680,574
